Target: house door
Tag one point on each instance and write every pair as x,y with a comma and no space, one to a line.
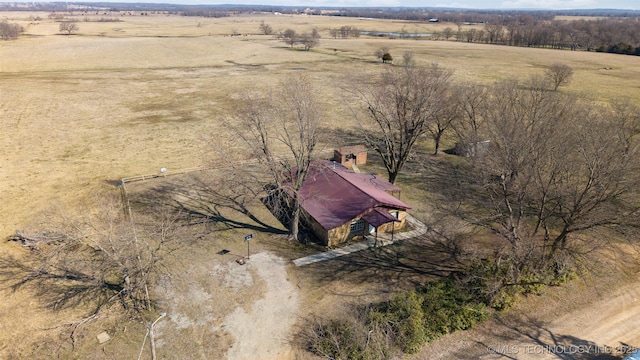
372,229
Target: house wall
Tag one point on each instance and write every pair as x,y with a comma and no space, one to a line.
395,226
318,230
334,236
361,158
340,234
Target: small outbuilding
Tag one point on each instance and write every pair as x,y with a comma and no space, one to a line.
350,155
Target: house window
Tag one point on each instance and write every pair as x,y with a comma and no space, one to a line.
357,226
395,214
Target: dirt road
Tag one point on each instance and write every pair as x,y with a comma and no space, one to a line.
604,327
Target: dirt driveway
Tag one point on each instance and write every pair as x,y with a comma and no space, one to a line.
223,310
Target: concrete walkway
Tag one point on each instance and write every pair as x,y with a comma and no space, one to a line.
384,239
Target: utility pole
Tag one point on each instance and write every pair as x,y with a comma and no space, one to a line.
247,238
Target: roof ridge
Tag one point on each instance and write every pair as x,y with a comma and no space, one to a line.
378,201
334,169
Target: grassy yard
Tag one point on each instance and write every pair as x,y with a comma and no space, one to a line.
117,99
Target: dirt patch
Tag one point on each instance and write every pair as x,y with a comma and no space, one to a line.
229,310
263,331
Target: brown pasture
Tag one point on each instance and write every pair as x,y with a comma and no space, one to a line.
117,99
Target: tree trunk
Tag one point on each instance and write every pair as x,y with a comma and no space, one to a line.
392,176
437,146
295,222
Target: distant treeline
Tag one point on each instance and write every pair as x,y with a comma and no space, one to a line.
401,13
613,31
612,34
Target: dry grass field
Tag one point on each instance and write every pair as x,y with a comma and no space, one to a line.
117,99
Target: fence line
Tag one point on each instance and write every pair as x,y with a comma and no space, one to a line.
144,177
129,179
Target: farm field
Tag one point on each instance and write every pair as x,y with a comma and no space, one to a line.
116,99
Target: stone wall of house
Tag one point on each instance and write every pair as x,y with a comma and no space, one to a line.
395,226
340,234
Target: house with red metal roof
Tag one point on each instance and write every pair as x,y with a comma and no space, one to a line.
339,204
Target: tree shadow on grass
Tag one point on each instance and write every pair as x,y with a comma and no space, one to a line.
337,137
219,203
450,179
529,337
407,264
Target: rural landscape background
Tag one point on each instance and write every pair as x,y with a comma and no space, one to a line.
80,111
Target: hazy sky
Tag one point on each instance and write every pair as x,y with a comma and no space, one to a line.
473,4
469,4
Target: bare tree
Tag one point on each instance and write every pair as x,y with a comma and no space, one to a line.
559,75
627,122
495,30
548,192
290,37
10,31
381,52
471,102
444,116
101,261
69,27
408,58
448,32
265,28
310,40
399,106
280,132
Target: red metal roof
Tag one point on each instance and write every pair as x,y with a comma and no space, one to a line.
334,195
378,216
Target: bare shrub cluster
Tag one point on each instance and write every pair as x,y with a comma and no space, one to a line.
345,32
95,263
10,31
102,19
307,40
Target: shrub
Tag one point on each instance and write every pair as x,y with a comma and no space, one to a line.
427,313
498,286
336,339
404,316
448,308
9,31
402,324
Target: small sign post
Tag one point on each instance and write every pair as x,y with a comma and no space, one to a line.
247,238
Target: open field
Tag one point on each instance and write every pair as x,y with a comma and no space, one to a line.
116,99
